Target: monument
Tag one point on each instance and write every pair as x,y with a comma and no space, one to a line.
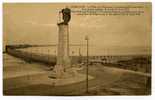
63,65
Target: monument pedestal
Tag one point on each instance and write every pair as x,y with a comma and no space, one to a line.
63,65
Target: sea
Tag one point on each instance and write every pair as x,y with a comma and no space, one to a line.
93,50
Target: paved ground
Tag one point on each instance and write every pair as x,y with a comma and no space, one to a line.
30,78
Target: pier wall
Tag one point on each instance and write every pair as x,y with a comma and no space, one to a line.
46,59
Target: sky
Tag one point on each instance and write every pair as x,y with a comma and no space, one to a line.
33,23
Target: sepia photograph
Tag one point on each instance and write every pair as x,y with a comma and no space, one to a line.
77,49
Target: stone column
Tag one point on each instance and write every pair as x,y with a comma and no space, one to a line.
63,45
63,60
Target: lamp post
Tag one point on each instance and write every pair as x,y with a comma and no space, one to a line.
72,62
48,55
87,39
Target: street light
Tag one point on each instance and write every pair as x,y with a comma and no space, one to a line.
48,55
87,39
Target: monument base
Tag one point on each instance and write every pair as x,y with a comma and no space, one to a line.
60,72
69,80
60,77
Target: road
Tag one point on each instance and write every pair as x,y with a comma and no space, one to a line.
107,81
